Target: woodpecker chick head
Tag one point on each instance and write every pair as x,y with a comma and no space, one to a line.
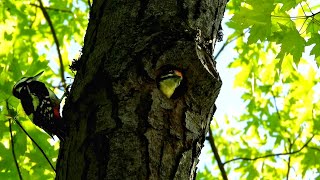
169,82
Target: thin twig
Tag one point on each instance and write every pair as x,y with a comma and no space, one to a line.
217,156
89,4
305,19
270,155
275,104
12,149
13,113
289,158
35,144
53,9
277,109
34,19
289,167
47,17
298,17
228,41
314,148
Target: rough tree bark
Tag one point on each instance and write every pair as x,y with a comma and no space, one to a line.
120,125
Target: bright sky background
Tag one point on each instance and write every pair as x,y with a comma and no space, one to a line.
229,101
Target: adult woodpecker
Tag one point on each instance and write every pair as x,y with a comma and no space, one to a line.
170,81
40,104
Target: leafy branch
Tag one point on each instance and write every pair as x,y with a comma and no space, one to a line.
302,17
47,17
298,17
306,17
271,155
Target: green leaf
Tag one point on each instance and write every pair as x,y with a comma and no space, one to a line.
315,40
291,43
27,46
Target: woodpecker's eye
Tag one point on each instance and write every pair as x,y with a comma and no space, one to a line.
19,89
16,92
29,80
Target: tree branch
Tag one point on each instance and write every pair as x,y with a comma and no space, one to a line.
12,114
47,17
289,166
289,158
217,156
35,144
12,149
271,155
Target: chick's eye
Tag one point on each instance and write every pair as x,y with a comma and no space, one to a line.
170,72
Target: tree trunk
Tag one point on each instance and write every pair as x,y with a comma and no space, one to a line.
120,124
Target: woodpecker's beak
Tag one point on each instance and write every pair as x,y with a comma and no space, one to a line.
36,77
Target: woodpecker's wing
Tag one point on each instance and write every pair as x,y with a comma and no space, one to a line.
43,116
27,102
38,88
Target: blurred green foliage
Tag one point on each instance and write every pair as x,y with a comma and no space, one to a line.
277,137
28,47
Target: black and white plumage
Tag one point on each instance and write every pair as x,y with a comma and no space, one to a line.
40,104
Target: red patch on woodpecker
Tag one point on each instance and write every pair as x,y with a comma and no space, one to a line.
56,113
